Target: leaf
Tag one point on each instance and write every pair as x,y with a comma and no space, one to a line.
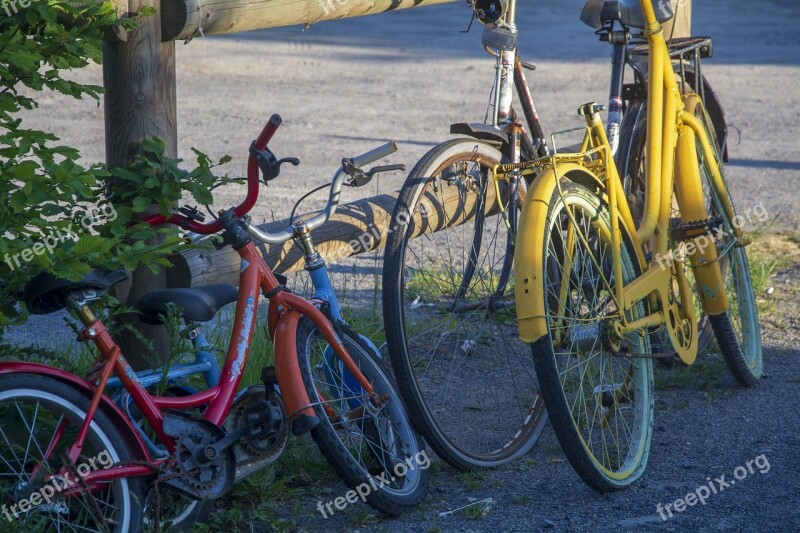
140,204
88,244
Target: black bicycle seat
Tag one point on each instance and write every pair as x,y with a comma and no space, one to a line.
199,304
596,13
46,293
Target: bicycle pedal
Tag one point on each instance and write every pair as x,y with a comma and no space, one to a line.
693,230
269,376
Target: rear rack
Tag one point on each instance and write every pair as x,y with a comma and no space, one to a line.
681,48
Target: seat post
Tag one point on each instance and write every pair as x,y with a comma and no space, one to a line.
77,301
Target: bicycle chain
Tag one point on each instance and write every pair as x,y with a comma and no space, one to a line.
162,477
653,355
95,508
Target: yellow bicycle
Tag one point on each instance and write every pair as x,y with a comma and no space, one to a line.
587,297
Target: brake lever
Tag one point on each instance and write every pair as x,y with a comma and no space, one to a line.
359,178
269,164
385,168
192,212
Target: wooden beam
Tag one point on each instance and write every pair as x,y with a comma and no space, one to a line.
355,228
140,102
681,24
182,19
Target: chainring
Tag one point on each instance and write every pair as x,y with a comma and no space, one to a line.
198,477
254,455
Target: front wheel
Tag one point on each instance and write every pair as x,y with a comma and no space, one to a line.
598,390
372,448
37,412
450,312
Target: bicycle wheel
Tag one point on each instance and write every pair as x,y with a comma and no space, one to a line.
176,511
374,449
631,160
737,330
599,395
449,311
32,409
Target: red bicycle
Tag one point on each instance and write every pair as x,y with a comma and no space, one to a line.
73,458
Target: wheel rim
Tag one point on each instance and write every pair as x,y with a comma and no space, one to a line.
378,438
609,397
29,421
473,376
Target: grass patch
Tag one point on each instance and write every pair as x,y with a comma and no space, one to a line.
521,499
768,255
701,375
478,511
527,464
473,480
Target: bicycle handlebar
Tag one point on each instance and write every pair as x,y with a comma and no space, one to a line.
242,209
285,234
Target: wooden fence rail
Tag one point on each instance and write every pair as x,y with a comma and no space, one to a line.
355,228
181,19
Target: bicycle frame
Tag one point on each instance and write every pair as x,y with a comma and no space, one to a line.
285,309
672,137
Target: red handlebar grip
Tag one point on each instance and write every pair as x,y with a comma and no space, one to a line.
252,189
269,130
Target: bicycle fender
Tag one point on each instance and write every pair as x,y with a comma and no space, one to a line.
117,417
290,379
528,253
483,132
707,273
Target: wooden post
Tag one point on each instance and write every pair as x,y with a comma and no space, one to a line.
355,228
681,25
139,78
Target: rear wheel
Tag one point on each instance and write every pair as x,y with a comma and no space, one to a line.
371,447
450,313
737,330
598,391
32,410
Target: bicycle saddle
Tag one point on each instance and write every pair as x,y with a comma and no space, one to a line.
199,304
628,12
46,293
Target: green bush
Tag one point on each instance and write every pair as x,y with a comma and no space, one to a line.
55,214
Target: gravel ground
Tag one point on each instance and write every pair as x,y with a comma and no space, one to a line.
346,86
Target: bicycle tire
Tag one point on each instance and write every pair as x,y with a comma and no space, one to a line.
577,307
61,400
496,413
367,449
737,329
